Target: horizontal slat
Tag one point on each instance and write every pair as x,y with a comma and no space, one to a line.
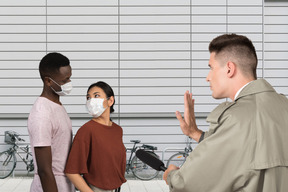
277,36
31,19
276,46
276,72
155,10
162,108
124,100
82,20
281,29
276,64
244,28
125,110
88,10
276,55
21,28
237,10
150,52
276,20
80,28
23,3
276,10
246,2
21,10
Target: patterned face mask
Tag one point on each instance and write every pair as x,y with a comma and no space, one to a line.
95,106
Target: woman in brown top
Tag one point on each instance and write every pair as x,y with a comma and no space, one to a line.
98,152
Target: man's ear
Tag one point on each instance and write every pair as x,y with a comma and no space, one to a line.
47,81
231,69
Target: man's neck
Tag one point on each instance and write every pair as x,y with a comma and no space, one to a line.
239,87
237,93
51,96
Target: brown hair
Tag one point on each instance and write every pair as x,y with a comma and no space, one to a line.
237,49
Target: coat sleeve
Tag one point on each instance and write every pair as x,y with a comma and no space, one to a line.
217,163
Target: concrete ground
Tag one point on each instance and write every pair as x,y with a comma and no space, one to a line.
22,184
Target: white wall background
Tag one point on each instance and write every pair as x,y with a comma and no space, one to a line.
150,52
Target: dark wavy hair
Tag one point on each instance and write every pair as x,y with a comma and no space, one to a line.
107,90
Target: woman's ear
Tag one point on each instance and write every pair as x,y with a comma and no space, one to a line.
231,69
111,101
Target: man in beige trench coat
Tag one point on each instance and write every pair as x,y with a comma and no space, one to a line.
246,147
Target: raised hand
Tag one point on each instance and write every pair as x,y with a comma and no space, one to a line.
188,124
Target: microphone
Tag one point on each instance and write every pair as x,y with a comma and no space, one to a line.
150,160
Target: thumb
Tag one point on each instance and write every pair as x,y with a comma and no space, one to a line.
179,117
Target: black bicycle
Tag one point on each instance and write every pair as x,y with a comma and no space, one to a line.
139,169
8,158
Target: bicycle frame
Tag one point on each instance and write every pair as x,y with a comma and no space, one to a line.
188,148
15,149
139,169
181,155
128,163
11,151
25,160
8,157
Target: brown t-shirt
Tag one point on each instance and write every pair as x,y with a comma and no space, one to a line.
99,154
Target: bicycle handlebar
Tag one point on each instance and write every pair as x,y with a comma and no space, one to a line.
20,139
15,135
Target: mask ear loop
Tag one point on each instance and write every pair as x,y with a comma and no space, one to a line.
54,81
53,89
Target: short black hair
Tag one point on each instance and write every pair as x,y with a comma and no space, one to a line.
51,63
107,90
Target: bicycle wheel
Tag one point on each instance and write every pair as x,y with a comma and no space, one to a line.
141,170
7,164
177,159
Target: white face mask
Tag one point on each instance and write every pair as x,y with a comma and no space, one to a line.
65,89
95,106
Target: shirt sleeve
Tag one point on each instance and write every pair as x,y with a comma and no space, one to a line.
40,127
79,153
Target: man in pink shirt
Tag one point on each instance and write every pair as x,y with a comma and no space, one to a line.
50,128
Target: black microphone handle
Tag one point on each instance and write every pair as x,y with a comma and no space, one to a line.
163,168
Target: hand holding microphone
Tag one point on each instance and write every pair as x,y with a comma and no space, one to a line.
154,162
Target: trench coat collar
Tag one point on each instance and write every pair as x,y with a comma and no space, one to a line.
254,87
257,86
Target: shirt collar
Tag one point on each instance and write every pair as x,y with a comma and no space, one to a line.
236,95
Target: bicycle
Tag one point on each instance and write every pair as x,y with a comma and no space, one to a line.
139,169
8,158
179,158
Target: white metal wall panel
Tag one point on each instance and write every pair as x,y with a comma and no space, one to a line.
150,52
276,44
143,49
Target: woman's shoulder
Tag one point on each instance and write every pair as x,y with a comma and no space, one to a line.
116,125
84,129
